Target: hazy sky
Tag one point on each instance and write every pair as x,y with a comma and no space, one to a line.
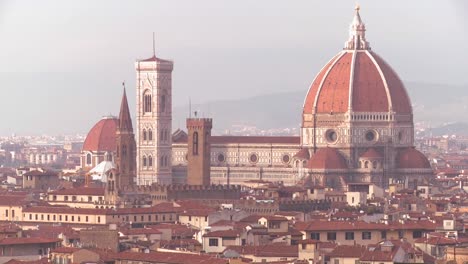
62,62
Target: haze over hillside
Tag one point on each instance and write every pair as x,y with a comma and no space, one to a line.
435,104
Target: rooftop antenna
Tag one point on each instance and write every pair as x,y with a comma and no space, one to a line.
123,84
190,107
154,46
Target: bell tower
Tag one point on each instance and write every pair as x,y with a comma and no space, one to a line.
199,151
126,147
154,121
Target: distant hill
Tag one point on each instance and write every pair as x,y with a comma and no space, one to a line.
433,103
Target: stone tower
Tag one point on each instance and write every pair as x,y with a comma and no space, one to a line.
154,118
126,148
199,151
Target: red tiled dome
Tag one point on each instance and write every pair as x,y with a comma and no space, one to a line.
371,153
410,158
102,137
360,78
357,80
302,154
327,158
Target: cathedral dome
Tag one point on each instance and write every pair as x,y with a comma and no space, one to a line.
410,158
357,80
102,137
327,158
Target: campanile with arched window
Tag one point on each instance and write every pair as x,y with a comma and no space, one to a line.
154,115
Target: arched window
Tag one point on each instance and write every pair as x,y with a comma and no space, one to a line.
161,161
124,151
366,164
144,134
150,134
195,143
161,135
109,156
147,102
144,161
150,161
163,103
88,158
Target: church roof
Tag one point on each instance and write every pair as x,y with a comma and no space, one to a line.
327,158
102,136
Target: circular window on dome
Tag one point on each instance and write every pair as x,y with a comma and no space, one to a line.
221,157
253,158
331,136
286,158
371,135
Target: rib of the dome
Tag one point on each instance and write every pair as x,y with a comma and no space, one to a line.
333,96
400,99
314,87
369,91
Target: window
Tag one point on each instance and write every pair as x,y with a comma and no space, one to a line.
66,218
6,212
331,236
79,219
315,236
337,261
163,103
149,218
401,234
142,219
383,234
150,161
99,219
366,235
213,242
144,161
190,218
147,102
124,150
144,135
195,143
90,198
30,216
150,134
134,218
417,234
349,235
88,158
54,217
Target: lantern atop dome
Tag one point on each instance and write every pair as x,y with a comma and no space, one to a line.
357,33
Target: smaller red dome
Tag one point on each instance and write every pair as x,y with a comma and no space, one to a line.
371,153
302,154
102,137
327,158
410,158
